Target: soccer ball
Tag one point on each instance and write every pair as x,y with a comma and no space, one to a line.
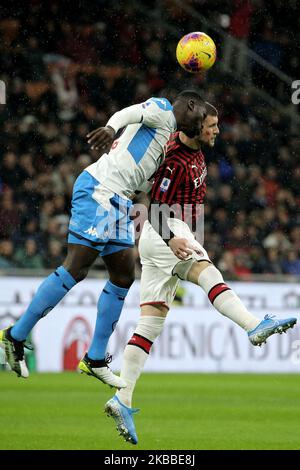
195,52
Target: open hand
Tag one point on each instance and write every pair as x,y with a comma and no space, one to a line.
180,248
101,138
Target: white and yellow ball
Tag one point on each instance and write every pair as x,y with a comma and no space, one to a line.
196,52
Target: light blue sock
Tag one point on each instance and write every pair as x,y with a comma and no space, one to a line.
109,309
50,292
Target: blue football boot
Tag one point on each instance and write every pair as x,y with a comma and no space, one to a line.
123,418
269,326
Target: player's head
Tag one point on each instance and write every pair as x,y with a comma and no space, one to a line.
210,129
189,110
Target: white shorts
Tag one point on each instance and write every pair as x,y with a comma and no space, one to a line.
161,269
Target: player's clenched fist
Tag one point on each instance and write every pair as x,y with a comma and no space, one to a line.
180,248
101,137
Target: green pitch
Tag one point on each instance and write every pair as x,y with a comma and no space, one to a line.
184,411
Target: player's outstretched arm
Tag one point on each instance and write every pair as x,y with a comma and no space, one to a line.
104,136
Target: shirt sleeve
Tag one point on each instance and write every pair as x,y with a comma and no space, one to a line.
155,112
131,115
167,182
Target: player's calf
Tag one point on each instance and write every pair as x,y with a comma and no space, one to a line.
221,296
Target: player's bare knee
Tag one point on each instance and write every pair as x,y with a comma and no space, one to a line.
123,280
78,273
154,310
195,270
81,274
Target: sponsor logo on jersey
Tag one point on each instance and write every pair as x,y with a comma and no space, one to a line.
170,169
199,181
92,231
164,186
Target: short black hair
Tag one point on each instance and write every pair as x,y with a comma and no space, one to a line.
190,95
210,109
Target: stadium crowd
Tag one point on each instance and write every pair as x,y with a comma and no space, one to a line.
67,71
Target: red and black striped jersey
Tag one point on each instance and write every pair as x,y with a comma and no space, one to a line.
181,178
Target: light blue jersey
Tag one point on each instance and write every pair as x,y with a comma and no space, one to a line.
139,151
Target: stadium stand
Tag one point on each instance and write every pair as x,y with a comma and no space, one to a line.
68,69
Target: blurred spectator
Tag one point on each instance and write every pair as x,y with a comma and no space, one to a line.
9,217
271,185
9,169
273,263
292,264
240,21
226,264
6,254
55,254
82,162
63,77
28,256
277,239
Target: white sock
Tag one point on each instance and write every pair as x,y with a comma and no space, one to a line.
224,299
136,354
